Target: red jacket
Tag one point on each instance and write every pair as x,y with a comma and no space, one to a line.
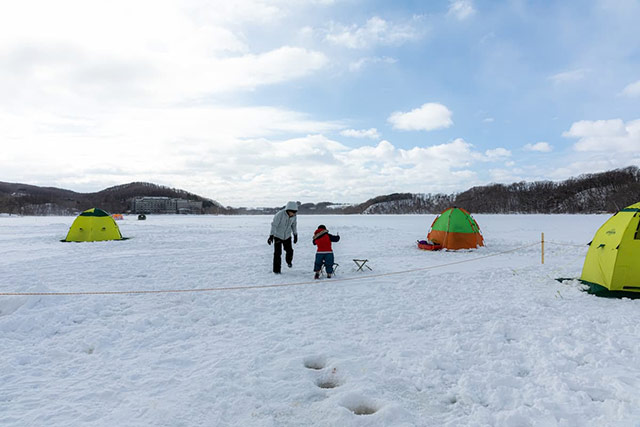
322,239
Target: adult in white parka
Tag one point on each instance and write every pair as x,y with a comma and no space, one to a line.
285,222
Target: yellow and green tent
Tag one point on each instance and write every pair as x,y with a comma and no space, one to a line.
612,264
455,228
93,225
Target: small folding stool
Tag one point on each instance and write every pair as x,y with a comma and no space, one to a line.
361,263
323,272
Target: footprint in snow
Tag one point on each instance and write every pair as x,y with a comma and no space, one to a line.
315,362
355,403
330,379
360,405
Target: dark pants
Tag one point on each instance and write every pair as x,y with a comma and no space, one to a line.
277,253
326,259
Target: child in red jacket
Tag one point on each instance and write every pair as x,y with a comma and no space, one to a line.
322,239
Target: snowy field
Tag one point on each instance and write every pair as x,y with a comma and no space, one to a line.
491,342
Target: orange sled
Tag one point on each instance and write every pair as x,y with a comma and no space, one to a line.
428,246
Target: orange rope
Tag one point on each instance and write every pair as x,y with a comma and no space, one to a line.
237,288
566,244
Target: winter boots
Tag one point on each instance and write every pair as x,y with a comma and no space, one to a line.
317,275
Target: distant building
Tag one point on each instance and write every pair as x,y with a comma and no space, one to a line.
165,205
188,206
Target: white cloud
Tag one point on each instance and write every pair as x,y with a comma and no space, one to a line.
543,147
162,86
227,160
605,135
376,31
140,141
376,169
248,71
488,120
317,168
362,133
461,9
632,90
77,74
429,116
569,76
497,153
591,163
189,50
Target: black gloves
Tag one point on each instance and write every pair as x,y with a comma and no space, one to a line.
270,239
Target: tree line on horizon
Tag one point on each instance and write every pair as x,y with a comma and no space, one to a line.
24,199
589,193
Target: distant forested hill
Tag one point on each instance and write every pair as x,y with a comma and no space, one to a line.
589,193
600,192
26,199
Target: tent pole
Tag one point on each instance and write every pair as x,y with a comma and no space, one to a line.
542,246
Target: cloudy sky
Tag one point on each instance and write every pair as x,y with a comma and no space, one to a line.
256,102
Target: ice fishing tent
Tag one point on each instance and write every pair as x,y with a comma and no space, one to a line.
612,264
455,228
93,225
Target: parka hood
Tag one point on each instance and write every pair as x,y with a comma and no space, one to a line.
291,206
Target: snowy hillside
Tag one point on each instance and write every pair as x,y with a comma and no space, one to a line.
494,341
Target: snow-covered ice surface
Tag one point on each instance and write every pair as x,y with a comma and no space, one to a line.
492,342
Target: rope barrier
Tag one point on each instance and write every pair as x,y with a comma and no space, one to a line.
280,285
567,244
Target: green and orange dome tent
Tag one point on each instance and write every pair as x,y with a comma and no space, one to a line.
454,228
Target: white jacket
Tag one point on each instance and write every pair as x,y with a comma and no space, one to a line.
283,225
